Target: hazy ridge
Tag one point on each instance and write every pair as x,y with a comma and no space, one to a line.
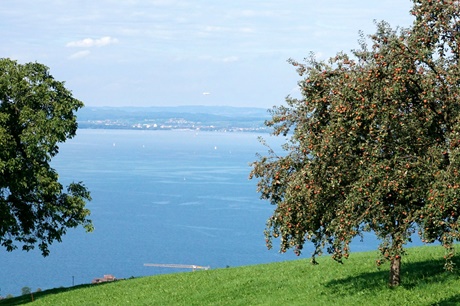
208,118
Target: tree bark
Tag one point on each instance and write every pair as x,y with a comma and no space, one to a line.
395,271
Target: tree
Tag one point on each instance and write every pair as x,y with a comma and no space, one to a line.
26,290
36,114
374,144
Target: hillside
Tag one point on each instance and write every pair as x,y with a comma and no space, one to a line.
206,118
357,282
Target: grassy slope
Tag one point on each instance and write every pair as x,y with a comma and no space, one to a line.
357,282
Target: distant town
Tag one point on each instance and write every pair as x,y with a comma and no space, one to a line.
203,118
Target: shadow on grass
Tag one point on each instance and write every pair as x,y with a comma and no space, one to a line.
453,300
28,298
412,275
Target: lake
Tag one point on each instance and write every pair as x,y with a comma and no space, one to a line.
161,197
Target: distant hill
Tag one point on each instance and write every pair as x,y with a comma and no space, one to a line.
174,117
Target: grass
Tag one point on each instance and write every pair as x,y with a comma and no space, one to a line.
357,282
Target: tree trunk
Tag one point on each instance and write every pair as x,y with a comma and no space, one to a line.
395,271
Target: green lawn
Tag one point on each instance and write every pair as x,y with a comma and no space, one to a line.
357,282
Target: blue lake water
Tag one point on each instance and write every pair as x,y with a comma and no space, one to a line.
163,197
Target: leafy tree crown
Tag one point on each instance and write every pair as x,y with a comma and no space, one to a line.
36,114
373,142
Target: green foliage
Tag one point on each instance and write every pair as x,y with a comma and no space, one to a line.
26,290
36,114
374,143
359,282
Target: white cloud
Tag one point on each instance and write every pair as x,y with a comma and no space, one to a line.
230,59
214,29
89,42
216,59
80,54
247,30
257,13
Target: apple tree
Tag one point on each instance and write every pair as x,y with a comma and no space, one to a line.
373,144
36,114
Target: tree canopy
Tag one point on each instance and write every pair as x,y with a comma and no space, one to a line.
374,143
36,114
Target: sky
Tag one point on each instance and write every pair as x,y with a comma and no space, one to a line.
185,52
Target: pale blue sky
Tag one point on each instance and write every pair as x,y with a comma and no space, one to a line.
169,52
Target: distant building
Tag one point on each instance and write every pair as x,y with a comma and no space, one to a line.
106,278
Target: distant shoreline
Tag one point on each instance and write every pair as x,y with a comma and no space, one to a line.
196,118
